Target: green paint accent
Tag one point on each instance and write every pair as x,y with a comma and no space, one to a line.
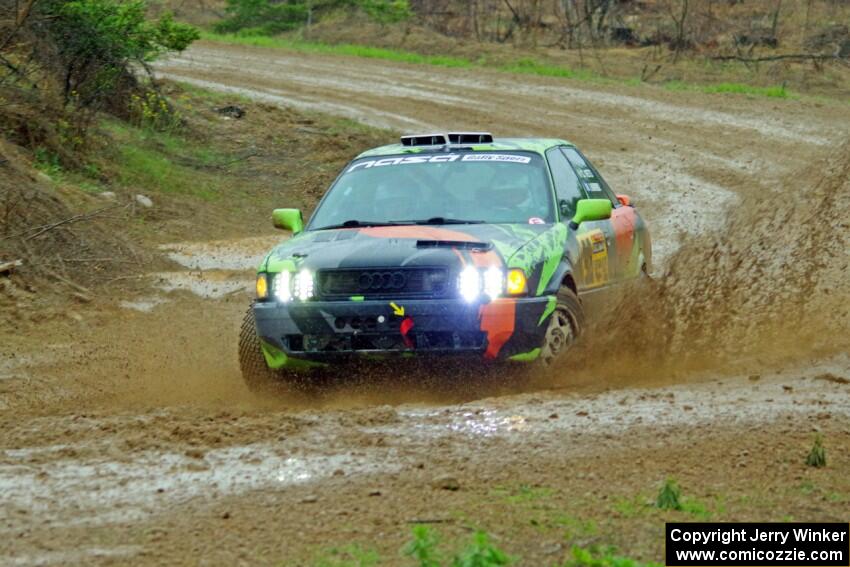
277,359
276,264
548,271
356,298
288,219
550,308
592,210
526,356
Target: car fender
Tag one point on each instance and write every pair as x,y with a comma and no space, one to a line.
564,272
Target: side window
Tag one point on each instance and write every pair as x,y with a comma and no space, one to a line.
567,188
593,183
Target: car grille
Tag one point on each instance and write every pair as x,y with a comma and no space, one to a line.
376,283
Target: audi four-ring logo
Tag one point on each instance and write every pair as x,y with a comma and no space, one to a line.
382,280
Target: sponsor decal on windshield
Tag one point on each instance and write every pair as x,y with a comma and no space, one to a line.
443,158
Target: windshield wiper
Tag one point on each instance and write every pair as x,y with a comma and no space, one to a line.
444,220
354,223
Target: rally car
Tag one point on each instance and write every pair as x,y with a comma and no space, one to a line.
453,243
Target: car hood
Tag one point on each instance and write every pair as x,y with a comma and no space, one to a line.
410,246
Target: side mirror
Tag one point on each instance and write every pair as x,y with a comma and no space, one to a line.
625,200
288,219
591,210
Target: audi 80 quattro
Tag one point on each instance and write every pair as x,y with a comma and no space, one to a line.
455,243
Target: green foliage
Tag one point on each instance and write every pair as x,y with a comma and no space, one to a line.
151,111
669,497
269,17
601,557
262,16
423,547
481,553
817,456
96,41
385,11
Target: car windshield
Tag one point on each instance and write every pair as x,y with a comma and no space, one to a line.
439,188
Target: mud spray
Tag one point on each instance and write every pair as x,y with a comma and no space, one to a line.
769,286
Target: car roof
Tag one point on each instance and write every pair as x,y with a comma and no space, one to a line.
536,145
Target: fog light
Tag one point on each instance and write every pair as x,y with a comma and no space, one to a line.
283,287
469,284
516,283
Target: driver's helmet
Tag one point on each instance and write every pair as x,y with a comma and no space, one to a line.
509,191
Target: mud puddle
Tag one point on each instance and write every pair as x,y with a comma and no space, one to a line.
93,483
213,270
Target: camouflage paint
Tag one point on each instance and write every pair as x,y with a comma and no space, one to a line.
277,359
550,308
530,356
594,254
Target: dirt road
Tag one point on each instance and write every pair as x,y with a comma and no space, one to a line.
132,440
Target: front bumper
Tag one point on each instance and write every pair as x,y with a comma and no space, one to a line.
324,331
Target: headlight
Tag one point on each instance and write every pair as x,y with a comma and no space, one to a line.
469,284
494,282
283,287
289,286
262,286
303,288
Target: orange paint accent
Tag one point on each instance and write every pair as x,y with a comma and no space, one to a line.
460,257
485,259
417,232
623,219
498,319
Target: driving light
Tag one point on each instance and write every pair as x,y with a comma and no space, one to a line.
262,286
494,282
304,285
516,282
282,287
469,284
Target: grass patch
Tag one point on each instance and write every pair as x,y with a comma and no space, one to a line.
522,66
350,49
817,456
529,66
601,557
523,493
670,498
424,550
731,88
165,163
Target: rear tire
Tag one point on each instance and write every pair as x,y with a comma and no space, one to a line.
566,324
256,373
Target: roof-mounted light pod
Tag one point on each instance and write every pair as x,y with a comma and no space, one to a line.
454,138
470,138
